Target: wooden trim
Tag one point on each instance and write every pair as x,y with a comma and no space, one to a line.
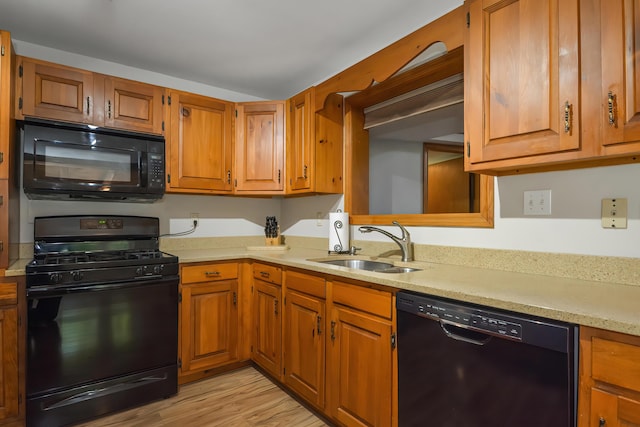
386,62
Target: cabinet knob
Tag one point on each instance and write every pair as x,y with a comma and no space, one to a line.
602,422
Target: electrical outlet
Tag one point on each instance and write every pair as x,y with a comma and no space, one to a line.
537,202
196,218
614,213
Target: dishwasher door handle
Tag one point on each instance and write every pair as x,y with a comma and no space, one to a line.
445,323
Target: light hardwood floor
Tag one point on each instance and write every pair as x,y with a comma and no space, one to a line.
242,398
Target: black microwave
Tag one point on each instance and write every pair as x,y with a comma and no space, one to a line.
68,162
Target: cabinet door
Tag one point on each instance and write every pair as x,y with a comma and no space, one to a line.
521,79
132,105
610,410
56,92
304,346
6,99
9,386
329,146
620,33
209,324
200,143
267,343
300,142
259,147
359,368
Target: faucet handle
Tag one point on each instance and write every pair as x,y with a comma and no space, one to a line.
405,233
353,250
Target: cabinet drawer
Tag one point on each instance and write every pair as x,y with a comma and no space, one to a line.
306,283
616,363
8,293
364,299
209,272
267,273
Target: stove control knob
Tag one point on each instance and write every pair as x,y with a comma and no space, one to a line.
157,269
139,271
76,275
55,277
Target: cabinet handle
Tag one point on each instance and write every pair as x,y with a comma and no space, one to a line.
235,298
264,274
211,273
611,102
318,320
304,172
602,422
567,117
333,330
88,105
229,177
109,108
275,307
185,112
278,176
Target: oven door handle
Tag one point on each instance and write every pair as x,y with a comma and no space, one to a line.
52,291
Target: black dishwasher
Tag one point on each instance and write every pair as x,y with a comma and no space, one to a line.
464,365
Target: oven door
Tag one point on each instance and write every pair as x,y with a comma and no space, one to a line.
96,349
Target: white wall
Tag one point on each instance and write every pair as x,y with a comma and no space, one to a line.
574,226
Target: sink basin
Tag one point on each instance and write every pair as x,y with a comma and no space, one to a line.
364,264
359,264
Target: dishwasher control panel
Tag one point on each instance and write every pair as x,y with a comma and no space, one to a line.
463,316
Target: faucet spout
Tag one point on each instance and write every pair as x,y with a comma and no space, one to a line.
404,241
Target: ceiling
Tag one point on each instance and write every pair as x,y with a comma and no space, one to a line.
266,49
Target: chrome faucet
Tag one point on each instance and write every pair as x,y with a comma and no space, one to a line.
404,242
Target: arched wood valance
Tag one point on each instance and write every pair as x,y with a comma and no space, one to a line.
386,62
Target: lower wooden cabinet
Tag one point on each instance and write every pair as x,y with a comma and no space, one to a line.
208,317
304,336
267,315
11,379
360,356
609,379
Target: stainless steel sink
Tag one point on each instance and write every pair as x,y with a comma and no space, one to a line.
368,265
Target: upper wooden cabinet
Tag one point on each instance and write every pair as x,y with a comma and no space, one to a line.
130,105
259,148
199,144
620,95
300,142
57,92
314,144
521,79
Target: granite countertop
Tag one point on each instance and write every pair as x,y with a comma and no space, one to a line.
611,306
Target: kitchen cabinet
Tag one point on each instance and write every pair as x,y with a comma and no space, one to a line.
300,142
208,317
609,392
199,144
259,148
267,315
619,97
360,355
9,185
522,80
304,335
329,143
11,371
314,144
57,92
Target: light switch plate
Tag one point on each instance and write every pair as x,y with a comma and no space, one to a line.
537,202
614,213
